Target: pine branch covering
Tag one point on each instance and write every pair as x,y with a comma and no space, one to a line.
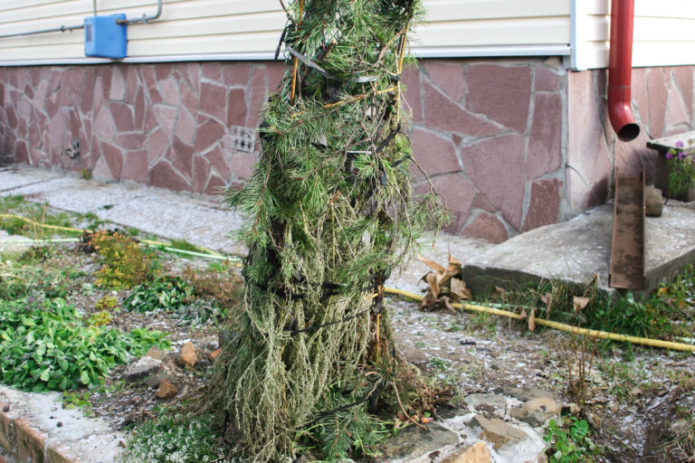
329,214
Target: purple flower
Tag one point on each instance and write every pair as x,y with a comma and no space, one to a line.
669,155
679,144
682,156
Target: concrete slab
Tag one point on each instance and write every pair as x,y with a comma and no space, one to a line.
577,250
573,251
194,218
78,437
13,243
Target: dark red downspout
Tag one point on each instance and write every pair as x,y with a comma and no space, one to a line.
620,71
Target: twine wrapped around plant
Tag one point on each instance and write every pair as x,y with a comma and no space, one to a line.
329,213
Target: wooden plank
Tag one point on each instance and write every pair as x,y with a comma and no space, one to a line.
627,269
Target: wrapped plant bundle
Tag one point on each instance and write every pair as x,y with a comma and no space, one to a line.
329,213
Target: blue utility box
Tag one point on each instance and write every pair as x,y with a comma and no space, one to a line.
104,37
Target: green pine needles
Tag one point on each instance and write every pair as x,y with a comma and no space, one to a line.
329,214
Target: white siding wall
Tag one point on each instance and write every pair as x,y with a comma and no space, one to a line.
243,29
664,33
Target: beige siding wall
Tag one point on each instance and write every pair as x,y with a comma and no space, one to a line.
664,33
242,29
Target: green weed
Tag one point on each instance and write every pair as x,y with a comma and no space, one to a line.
41,213
570,441
178,438
165,293
177,295
47,345
125,263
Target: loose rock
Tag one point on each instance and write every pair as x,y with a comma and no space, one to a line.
497,432
156,353
414,442
145,366
188,356
166,390
477,453
215,353
654,201
153,381
537,411
488,404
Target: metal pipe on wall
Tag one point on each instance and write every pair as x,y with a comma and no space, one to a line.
144,19
620,70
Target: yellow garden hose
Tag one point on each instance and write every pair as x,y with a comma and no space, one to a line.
469,307
560,326
77,230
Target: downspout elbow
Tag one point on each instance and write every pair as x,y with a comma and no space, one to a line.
620,70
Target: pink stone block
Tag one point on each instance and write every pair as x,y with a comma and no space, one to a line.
135,167
412,93
500,92
639,97
236,74
218,161
481,202
216,185
448,76
114,159
163,175
162,70
657,86
487,227
98,98
677,116
87,93
211,71
243,165
544,208
181,157
132,83
237,111
169,90
201,172
434,153
148,76
118,84
457,193
548,80
157,145
193,72
139,109
155,96
209,132
55,134
122,116
185,127
275,73
684,77
190,99
588,155
497,168
545,144
166,117
258,95
441,113
213,100
131,141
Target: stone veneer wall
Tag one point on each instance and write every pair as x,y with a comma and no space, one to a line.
490,134
663,105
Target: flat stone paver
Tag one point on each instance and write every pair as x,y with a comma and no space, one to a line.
196,219
573,251
577,250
